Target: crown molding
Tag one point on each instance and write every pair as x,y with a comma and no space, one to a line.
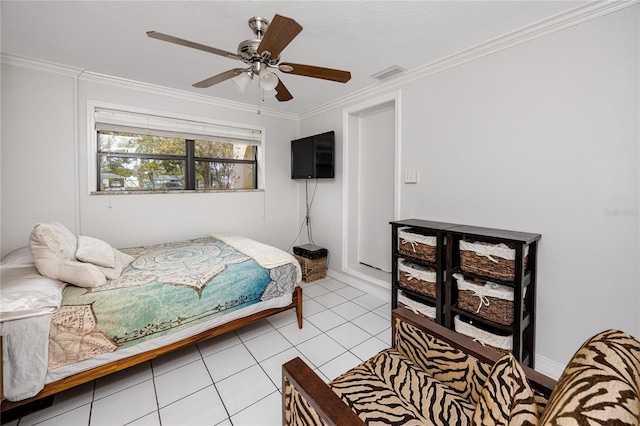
40,65
533,31
82,75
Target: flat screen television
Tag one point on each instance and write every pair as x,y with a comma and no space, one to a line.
313,157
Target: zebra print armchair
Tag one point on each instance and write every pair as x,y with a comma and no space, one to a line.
434,376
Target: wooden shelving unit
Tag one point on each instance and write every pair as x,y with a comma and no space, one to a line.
447,263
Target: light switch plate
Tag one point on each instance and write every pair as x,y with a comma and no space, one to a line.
411,176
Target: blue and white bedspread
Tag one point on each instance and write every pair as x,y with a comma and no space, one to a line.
168,289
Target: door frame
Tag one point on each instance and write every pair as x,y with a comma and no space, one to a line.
350,170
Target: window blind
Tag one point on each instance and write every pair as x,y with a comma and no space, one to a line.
154,125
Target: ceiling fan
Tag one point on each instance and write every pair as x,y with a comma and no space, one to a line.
261,55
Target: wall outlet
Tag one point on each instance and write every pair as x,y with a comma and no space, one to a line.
411,176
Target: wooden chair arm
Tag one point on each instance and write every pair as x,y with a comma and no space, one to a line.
538,381
326,403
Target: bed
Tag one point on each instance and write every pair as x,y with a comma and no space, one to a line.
144,302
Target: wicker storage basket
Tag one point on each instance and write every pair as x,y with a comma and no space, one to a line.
417,245
312,269
499,342
418,308
490,260
489,300
418,278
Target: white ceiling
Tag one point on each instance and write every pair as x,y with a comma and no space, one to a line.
364,37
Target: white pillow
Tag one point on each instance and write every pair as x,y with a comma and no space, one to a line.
80,274
98,252
122,261
18,258
58,239
25,293
53,248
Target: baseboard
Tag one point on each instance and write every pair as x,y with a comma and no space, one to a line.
548,367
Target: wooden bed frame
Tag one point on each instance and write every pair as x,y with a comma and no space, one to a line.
334,411
95,373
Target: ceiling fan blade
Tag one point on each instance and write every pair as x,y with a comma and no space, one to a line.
315,72
278,36
282,93
219,78
193,45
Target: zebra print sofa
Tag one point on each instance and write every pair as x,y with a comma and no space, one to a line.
434,376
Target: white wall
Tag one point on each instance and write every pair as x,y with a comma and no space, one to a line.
45,178
37,165
542,137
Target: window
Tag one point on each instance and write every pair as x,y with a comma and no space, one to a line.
139,152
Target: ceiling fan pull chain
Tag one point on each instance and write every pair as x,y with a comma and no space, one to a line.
259,95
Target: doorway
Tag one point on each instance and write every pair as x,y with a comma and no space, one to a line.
370,188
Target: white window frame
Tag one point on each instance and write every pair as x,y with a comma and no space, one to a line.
92,144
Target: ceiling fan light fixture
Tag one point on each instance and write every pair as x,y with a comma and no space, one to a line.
260,54
242,80
268,80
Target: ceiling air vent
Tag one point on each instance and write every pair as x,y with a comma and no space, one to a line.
388,72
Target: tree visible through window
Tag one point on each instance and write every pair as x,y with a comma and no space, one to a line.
214,168
141,162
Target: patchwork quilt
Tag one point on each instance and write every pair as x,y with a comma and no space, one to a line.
167,288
